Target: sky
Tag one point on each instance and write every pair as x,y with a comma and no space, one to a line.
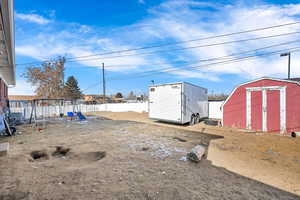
74,28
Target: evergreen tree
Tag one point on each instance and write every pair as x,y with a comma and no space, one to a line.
119,95
71,89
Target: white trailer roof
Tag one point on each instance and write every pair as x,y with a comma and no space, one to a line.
176,83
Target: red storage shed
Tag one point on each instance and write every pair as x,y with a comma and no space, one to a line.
266,104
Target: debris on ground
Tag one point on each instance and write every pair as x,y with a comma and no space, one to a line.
99,154
60,151
183,158
62,182
4,147
145,148
269,160
196,153
162,152
39,154
179,139
157,149
211,122
40,129
270,151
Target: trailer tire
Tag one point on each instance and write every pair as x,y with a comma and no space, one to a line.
197,120
192,122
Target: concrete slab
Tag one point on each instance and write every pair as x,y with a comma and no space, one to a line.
4,147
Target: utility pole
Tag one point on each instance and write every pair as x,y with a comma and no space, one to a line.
289,66
289,62
103,82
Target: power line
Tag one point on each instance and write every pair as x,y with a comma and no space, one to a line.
210,64
238,59
225,57
221,58
174,43
222,62
186,48
210,59
188,41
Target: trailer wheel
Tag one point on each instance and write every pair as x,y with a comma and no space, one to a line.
197,120
193,120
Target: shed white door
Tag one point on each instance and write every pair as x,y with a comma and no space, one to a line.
266,108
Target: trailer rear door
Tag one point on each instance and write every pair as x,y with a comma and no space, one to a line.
165,102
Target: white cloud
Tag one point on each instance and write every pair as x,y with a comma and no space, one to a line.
22,88
141,1
31,17
176,20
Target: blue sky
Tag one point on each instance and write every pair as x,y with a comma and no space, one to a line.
50,28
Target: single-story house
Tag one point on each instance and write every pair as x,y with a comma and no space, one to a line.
7,51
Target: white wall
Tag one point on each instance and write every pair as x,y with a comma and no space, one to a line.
214,109
123,107
50,111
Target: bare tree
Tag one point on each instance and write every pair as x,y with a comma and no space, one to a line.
48,78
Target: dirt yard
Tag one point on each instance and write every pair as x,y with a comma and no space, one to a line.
271,159
114,159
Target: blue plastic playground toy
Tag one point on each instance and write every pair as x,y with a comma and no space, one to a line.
81,116
70,115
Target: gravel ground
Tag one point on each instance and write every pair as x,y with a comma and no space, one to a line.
141,161
269,158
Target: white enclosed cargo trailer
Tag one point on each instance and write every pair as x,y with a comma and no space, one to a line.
178,103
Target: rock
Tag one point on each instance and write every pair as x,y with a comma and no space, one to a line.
196,153
179,139
4,147
145,148
62,182
39,154
60,151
